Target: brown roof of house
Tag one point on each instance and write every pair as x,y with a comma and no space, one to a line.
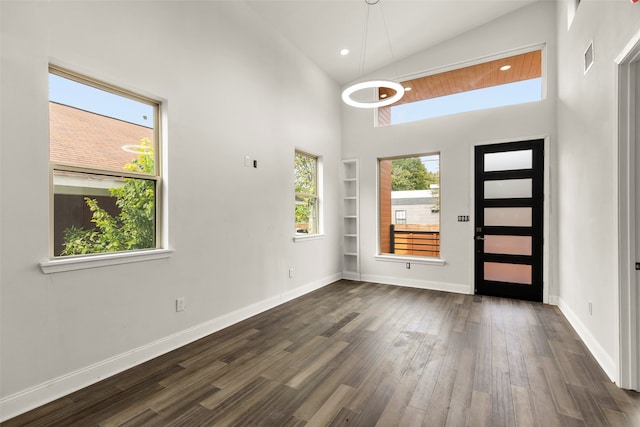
88,139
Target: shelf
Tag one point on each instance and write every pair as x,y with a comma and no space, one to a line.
351,249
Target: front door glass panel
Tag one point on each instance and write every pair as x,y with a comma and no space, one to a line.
507,217
508,160
510,273
508,189
510,245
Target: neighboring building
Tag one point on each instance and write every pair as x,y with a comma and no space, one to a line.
415,207
80,137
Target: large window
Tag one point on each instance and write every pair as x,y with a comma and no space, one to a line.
410,205
307,194
103,144
511,80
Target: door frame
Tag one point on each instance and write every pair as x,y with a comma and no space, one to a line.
549,243
628,294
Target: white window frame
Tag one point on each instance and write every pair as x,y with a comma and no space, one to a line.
463,64
416,259
74,262
301,237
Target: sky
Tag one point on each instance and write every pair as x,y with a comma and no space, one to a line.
432,163
78,95
480,99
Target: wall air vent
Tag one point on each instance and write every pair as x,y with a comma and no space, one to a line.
588,58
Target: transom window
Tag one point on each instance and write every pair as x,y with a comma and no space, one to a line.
103,145
307,215
506,81
410,205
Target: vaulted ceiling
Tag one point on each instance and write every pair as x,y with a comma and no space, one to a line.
395,29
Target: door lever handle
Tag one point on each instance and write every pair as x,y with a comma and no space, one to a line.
479,237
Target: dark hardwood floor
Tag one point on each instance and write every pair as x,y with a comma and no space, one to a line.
363,354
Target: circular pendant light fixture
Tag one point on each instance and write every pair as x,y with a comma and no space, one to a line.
373,84
346,94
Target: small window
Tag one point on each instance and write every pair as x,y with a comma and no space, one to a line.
506,81
410,205
103,153
307,213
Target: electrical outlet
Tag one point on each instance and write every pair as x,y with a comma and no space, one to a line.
291,273
180,304
408,265
590,309
247,161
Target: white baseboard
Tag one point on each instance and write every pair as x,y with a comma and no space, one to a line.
48,391
350,275
607,363
457,288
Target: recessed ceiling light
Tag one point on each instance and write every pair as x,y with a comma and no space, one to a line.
407,89
505,67
383,96
344,52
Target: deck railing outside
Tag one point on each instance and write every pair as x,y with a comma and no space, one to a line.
415,239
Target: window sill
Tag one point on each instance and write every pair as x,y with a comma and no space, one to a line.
411,259
307,238
59,265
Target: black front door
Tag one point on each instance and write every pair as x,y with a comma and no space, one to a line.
509,201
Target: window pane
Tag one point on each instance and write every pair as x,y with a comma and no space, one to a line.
306,215
93,128
507,217
508,160
306,197
508,189
472,100
410,205
510,273
505,81
101,140
98,213
306,170
508,245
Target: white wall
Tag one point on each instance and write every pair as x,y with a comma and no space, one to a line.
587,171
231,88
454,137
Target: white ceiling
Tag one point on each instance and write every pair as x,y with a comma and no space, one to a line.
321,28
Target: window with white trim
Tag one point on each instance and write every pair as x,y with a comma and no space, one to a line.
510,80
104,167
307,200
409,196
